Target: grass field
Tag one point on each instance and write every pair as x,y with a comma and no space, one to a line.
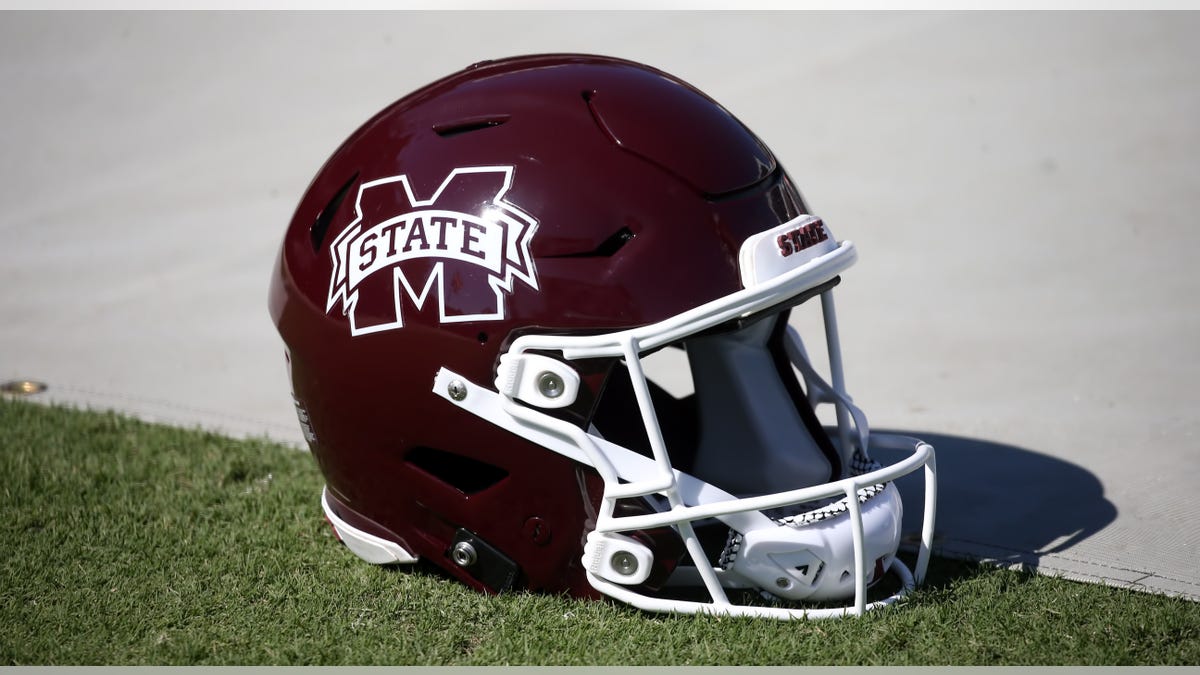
130,543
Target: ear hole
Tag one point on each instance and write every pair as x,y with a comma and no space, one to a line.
467,475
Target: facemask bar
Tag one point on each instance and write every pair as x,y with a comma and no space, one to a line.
841,399
693,500
690,499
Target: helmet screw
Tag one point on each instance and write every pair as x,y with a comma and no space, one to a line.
550,384
463,554
537,530
457,390
783,582
624,562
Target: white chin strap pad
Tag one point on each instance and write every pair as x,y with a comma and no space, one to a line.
752,439
816,561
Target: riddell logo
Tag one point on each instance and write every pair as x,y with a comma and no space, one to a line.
454,245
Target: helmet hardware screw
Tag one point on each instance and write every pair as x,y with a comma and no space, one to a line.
624,562
463,554
550,384
538,530
457,390
783,582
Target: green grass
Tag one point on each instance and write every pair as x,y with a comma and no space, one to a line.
129,543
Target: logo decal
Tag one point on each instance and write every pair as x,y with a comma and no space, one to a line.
794,241
493,240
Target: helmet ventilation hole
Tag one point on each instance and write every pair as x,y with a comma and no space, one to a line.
605,249
465,126
321,225
467,475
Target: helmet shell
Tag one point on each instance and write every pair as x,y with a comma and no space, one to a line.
627,195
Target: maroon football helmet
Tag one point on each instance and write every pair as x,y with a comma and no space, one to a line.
467,293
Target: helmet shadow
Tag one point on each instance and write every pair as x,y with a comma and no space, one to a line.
1002,503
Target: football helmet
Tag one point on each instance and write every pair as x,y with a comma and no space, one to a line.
469,292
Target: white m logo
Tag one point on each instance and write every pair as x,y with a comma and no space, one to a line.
493,239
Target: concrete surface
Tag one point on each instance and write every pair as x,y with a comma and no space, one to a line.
1023,189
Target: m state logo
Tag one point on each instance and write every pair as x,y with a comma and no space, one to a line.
469,256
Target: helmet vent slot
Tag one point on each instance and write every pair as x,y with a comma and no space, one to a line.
615,242
321,225
464,474
605,249
465,126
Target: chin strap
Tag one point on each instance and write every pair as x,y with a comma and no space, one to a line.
800,520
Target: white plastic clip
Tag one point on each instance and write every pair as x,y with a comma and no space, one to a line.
538,380
617,558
